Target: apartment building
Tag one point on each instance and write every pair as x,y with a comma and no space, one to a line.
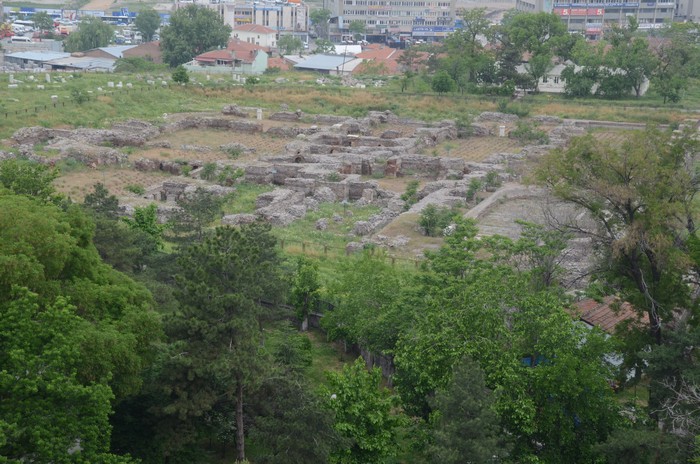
593,16
290,16
429,18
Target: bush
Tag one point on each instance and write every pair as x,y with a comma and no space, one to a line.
333,177
492,179
234,152
208,171
135,189
180,75
136,64
528,132
229,175
410,196
272,70
519,109
434,219
79,95
474,186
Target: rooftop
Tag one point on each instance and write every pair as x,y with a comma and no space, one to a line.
326,62
37,56
116,50
608,313
255,28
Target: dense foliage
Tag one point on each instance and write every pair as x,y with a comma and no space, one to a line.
126,339
192,30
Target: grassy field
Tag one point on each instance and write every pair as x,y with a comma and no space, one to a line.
30,106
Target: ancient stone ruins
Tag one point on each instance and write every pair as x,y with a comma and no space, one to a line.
328,159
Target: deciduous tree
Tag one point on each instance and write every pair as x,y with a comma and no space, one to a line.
288,44
319,18
147,23
363,414
91,33
640,196
192,30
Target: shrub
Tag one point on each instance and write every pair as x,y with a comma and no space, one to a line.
208,171
79,95
519,109
333,177
528,132
186,169
474,186
233,152
229,175
410,196
492,179
180,75
434,219
135,189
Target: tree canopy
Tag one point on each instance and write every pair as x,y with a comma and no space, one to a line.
91,33
192,30
147,23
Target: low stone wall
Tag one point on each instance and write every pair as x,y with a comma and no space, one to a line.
194,122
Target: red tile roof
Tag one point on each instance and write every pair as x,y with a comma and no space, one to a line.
255,28
375,55
280,62
608,314
236,49
239,46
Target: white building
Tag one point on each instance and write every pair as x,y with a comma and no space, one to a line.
256,34
280,16
592,17
398,18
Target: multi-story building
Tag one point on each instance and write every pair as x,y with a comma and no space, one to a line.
281,16
591,17
688,10
430,19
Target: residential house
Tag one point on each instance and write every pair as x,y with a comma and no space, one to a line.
608,314
329,64
553,82
149,51
110,53
239,58
384,60
256,34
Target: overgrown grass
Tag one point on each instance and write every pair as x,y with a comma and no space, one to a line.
29,106
243,200
303,233
326,356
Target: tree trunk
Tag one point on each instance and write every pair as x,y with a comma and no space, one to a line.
240,437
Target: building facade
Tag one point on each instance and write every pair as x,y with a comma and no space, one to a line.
399,18
256,34
592,17
688,10
288,16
